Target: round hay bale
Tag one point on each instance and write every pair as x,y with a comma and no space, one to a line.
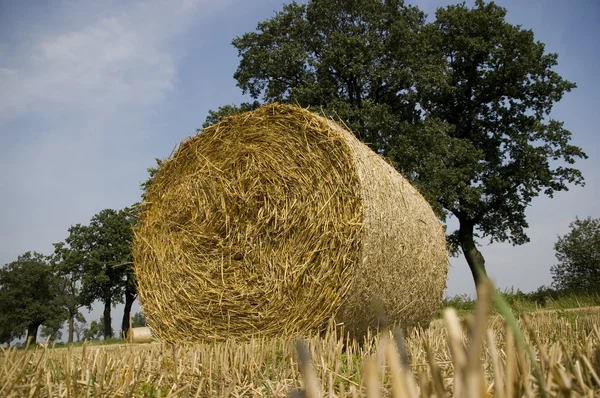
139,335
273,221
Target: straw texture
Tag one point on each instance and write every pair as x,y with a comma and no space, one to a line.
141,335
273,221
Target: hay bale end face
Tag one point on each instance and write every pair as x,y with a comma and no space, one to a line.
140,335
273,221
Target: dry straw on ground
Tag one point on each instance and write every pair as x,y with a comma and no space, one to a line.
272,221
566,352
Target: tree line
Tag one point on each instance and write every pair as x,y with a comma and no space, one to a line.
94,263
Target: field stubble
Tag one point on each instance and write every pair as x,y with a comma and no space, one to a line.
471,357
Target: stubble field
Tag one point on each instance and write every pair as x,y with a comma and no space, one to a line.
557,355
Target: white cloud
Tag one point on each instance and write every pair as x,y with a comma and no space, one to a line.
116,60
82,91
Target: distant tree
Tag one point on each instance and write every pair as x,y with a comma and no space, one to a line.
460,105
94,331
228,110
28,297
68,263
104,247
151,173
79,326
110,262
138,320
578,254
51,332
130,216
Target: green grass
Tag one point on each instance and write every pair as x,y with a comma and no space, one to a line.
60,344
542,299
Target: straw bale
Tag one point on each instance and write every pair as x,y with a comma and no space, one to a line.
140,335
274,221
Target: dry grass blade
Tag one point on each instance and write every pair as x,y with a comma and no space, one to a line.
496,366
311,383
371,378
474,379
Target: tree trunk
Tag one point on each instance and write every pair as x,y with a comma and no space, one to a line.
71,327
472,254
32,331
129,299
108,333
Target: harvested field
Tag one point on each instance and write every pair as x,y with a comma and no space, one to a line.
566,351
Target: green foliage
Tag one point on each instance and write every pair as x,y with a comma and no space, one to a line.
99,256
108,255
28,297
578,254
152,172
94,331
274,362
359,61
544,298
224,111
68,264
138,320
51,332
459,106
498,89
462,303
570,317
79,326
148,389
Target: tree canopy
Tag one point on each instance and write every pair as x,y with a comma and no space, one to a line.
138,320
28,297
359,61
100,255
578,255
94,331
460,105
500,146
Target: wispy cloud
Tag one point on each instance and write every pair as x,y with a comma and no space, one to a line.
76,110
120,59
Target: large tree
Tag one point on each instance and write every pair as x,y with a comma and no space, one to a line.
499,148
461,106
578,255
28,297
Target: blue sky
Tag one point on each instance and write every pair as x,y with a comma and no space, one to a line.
93,91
